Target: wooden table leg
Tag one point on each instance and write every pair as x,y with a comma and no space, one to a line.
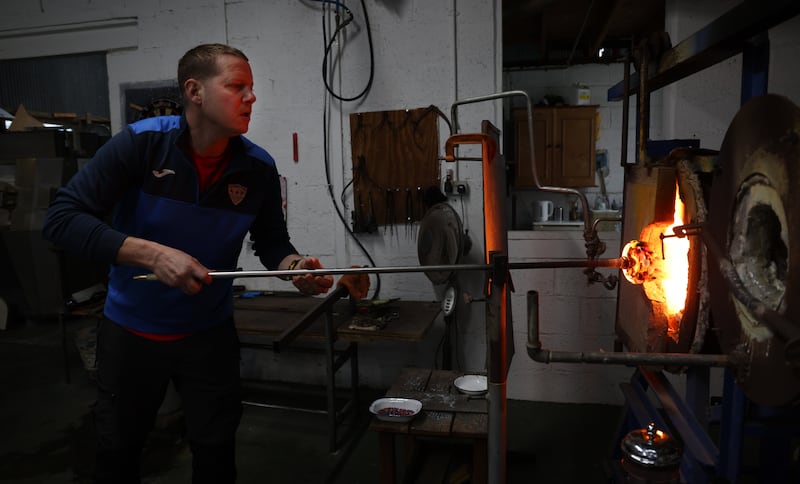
480,466
387,462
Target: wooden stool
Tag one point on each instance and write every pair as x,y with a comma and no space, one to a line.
446,414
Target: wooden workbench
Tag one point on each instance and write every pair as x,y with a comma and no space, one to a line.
270,314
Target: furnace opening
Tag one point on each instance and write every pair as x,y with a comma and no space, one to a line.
758,248
659,262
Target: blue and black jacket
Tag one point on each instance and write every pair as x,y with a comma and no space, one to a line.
145,180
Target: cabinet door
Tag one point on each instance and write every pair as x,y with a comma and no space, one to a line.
574,147
543,145
564,144
542,136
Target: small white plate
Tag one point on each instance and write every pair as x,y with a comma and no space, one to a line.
471,384
395,409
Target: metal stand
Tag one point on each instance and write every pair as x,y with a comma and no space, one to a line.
335,359
499,333
774,429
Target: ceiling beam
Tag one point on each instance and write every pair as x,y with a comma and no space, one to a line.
724,37
608,13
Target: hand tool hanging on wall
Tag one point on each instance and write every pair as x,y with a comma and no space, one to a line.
389,218
372,221
409,214
396,217
420,204
358,215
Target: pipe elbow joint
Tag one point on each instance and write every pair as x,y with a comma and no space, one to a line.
536,353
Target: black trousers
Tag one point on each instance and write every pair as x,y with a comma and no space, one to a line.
132,378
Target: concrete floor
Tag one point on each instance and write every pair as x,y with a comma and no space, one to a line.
47,434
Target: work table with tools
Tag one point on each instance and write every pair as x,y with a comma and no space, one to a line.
269,314
332,326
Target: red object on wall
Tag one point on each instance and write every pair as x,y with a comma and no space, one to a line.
294,147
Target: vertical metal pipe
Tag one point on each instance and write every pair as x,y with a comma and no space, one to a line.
497,312
497,371
755,67
626,103
644,106
497,316
533,321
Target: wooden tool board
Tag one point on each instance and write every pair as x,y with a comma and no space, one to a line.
395,159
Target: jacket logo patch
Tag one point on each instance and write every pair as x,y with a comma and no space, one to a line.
237,193
163,173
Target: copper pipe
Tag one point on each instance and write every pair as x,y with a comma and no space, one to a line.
643,106
621,263
628,358
604,219
588,234
537,353
626,93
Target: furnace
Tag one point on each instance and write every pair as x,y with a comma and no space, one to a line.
664,307
755,193
710,252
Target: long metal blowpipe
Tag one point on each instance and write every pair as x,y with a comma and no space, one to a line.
324,272
618,263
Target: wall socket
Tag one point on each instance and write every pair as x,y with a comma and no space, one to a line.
456,187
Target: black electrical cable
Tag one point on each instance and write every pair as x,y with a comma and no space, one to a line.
341,196
375,294
439,112
339,28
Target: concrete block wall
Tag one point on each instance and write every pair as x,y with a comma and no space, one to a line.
574,316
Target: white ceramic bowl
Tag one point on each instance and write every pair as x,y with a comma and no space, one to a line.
395,409
471,384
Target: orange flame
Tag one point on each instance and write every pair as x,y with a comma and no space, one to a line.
675,276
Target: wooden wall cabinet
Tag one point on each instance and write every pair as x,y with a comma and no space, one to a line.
564,141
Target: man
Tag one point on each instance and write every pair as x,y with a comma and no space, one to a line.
184,191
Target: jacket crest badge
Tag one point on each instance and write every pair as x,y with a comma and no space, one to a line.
237,193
